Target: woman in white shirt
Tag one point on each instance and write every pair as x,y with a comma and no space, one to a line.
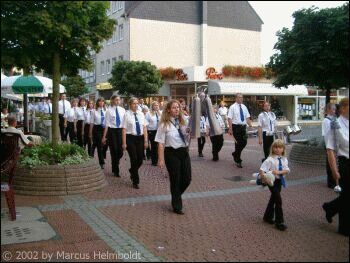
135,139
87,120
173,151
98,123
80,121
70,121
113,131
153,118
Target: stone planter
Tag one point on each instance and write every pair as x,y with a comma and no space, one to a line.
59,179
306,154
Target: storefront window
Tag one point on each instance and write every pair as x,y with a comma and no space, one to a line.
306,109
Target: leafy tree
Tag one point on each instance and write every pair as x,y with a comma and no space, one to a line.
56,36
137,78
315,51
75,86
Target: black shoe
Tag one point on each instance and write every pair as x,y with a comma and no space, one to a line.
215,159
281,226
154,164
200,154
102,166
328,216
136,186
269,221
116,175
239,165
179,212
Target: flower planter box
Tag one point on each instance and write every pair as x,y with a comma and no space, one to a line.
59,179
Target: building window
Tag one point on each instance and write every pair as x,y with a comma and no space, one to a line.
120,32
108,66
120,5
102,68
114,60
109,8
114,6
120,58
114,38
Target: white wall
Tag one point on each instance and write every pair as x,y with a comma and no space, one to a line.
233,47
165,44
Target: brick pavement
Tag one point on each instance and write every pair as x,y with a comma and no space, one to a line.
223,220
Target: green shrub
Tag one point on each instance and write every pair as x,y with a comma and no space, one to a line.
46,154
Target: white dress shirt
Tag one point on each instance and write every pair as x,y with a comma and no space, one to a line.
96,116
48,108
111,116
67,106
338,140
223,110
129,122
272,163
219,120
80,113
71,114
153,121
267,122
168,135
235,116
202,125
89,115
326,125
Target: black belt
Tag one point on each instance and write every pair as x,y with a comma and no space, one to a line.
343,158
240,125
168,148
137,136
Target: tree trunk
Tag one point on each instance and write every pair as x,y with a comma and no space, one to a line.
55,96
25,105
328,95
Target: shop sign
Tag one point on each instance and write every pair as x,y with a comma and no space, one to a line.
212,74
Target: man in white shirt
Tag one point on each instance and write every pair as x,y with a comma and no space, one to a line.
141,105
63,106
326,126
337,144
266,128
238,118
47,106
223,113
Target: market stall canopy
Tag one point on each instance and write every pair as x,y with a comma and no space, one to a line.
249,88
12,97
37,86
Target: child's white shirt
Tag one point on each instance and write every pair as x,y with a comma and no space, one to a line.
272,163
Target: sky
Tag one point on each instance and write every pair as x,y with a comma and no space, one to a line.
278,14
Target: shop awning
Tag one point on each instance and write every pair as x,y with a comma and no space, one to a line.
249,88
104,86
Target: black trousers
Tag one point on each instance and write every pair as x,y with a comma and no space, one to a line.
330,179
217,142
80,130
154,146
87,141
274,207
97,134
135,148
178,164
267,142
239,132
70,131
115,147
62,128
340,204
201,142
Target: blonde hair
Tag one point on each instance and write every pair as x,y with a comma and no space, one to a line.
278,143
131,100
151,109
165,119
344,102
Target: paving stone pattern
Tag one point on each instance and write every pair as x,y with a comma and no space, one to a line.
222,221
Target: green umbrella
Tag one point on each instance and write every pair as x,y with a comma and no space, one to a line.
27,85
